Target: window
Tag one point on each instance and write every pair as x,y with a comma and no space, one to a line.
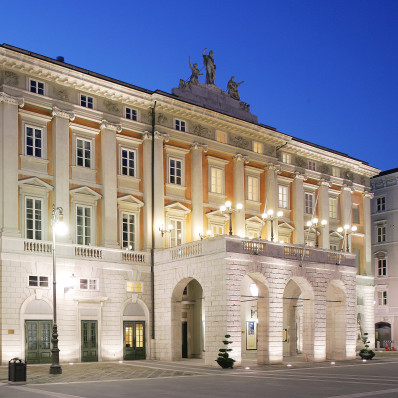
176,233
286,158
258,147
175,171
381,233
335,171
36,87
180,125
221,137
128,231
252,188
381,267
86,101
38,281
88,284
134,287
332,207
308,201
33,141
381,204
217,229
216,180
311,165
333,247
355,214
127,158
83,225
33,217
283,196
382,297
83,152
131,114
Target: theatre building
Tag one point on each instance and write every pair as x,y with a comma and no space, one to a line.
155,264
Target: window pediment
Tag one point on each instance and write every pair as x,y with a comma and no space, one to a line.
34,185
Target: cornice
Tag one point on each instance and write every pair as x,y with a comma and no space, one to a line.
9,99
106,125
57,112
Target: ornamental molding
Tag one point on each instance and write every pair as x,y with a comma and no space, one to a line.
299,176
161,136
9,99
196,145
241,158
347,188
272,167
106,125
57,112
368,195
324,183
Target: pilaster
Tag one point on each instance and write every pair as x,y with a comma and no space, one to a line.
298,208
271,199
323,213
239,194
367,229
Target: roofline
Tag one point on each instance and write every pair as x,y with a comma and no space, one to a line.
386,172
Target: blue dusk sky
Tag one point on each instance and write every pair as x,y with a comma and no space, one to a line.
325,71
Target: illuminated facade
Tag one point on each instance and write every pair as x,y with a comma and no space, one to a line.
84,142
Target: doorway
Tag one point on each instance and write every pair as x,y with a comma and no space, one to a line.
134,340
89,341
37,341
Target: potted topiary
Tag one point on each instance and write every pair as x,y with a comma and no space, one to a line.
223,357
365,353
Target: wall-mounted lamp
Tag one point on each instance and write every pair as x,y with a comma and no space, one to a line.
164,231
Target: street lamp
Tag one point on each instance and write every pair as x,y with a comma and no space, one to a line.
227,208
58,227
269,216
316,226
348,230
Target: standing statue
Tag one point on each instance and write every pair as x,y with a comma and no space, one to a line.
194,79
232,87
210,66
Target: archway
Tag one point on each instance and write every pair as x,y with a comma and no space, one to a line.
298,319
187,320
383,333
335,321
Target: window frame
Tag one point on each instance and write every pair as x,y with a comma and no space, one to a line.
382,298
285,195
89,281
133,284
381,268
333,210
133,112
31,80
180,125
34,199
286,158
355,214
382,205
134,245
254,194
221,137
39,281
336,171
84,206
311,165
177,160
87,100
135,168
306,207
381,232
219,177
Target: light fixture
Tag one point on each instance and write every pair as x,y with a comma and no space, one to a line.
207,235
228,209
316,226
164,231
348,230
269,216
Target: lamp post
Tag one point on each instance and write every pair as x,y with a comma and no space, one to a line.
348,230
58,227
269,216
227,208
316,226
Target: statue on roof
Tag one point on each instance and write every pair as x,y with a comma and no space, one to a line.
208,61
194,79
232,87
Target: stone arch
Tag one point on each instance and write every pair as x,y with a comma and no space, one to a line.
298,318
336,321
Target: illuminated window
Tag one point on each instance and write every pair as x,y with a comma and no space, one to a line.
335,171
332,207
175,171
176,234
134,287
252,188
333,247
216,180
180,125
221,137
128,231
83,152
311,165
217,229
36,87
33,218
88,284
258,147
83,225
283,196
309,202
86,101
131,114
38,281
286,158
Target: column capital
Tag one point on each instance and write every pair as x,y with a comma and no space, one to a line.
106,125
9,99
324,183
347,188
273,167
57,112
368,195
161,136
196,145
241,158
299,176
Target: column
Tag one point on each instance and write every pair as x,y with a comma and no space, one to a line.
109,183
197,189
271,200
323,213
345,210
367,230
60,134
298,208
147,190
9,134
239,195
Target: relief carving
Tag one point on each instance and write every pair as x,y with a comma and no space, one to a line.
111,106
240,142
300,161
324,168
11,78
161,118
61,93
201,131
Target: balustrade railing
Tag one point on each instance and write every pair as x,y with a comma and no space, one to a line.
253,247
35,246
193,249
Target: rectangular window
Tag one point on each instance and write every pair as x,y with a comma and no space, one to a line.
252,188
128,231
258,147
381,267
86,101
355,214
217,229
83,152
36,87
38,281
134,287
381,233
88,284
283,196
381,203
332,208
83,225
131,114
309,202
180,125
33,141
175,171
33,218
382,297
128,162
286,158
311,165
216,177
176,233
221,137
335,171
333,247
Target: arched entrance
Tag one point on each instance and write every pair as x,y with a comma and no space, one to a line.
298,319
335,321
383,333
187,320
255,318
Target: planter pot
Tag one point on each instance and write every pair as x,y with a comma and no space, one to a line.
367,355
225,364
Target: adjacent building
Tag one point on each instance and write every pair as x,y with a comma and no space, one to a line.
152,267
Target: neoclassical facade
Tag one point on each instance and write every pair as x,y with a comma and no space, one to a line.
151,267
